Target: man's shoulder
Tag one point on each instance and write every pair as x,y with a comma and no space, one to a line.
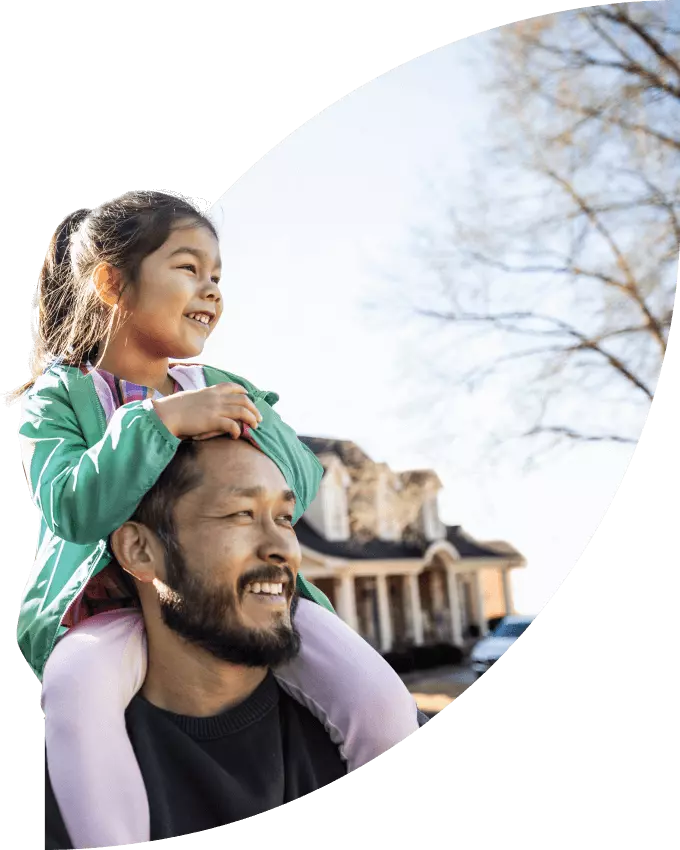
305,733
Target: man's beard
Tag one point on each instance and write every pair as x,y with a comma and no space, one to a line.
208,617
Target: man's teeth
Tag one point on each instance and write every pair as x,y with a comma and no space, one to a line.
204,318
266,587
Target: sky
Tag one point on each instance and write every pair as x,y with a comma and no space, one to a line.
309,236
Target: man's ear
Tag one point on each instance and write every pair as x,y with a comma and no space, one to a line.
138,552
108,283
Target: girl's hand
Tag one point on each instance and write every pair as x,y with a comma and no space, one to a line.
208,436
208,412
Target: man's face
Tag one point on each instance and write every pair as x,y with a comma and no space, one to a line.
230,573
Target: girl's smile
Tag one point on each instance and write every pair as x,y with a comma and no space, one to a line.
202,318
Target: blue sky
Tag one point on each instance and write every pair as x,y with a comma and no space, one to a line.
308,236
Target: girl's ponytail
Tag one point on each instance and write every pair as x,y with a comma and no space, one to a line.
58,253
54,298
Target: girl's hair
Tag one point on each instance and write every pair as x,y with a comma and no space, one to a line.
73,324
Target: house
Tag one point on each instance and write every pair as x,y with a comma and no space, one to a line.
373,542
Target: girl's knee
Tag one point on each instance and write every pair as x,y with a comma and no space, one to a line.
105,653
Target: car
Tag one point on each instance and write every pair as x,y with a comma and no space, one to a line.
489,649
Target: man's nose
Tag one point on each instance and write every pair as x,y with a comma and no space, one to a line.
279,546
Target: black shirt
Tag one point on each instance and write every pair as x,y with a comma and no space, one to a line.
205,772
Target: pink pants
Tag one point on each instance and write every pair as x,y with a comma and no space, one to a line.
99,665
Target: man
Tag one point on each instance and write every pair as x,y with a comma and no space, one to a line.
214,559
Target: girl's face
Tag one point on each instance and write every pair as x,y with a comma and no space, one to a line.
176,303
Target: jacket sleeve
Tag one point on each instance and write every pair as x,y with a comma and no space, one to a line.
84,493
217,376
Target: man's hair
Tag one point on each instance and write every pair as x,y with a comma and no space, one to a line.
180,476
156,510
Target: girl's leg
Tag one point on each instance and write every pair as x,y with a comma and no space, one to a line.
348,686
89,680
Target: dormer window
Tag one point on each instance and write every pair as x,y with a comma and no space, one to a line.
388,526
432,527
328,513
336,511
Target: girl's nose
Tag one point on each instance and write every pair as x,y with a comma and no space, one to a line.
212,292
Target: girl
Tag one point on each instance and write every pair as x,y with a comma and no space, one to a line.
125,288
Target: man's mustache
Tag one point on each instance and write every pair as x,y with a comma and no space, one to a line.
268,573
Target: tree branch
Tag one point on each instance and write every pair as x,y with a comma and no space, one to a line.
617,364
631,66
630,287
599,114
480,373
624,19
584,342
572,434
495,318
663,201
567,269
580,59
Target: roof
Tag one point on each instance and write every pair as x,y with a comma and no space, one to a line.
468,547
500,546
353,549
348,452
375,549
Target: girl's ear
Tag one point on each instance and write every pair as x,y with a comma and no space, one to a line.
108,283
138,552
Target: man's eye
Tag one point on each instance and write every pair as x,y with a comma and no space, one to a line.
286,518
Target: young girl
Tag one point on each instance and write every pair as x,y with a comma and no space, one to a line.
125,288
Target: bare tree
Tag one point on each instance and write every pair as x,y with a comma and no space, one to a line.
555,276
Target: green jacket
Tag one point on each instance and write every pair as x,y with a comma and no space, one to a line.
88,478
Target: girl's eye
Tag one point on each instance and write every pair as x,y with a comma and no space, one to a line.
287,518
192,268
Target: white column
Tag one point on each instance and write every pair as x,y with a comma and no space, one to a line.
347,601
507,592
454,607
415,608
479,603
384,616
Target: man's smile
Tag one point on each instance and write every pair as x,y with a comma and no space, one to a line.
269,586
268,591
